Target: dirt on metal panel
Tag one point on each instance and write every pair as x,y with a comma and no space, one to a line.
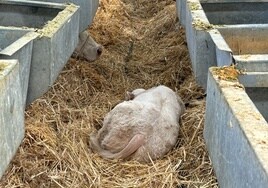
52,26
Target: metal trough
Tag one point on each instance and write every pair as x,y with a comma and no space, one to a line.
58,29
228,11
244,45
234,13
200,45
17,44
256,87
223,32
11,112
236,129
88,9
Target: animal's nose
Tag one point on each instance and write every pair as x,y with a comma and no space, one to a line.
99,50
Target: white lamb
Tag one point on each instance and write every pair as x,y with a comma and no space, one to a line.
143,127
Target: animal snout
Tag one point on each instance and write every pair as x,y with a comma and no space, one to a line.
99,50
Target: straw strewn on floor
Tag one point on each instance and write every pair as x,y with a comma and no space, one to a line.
144,47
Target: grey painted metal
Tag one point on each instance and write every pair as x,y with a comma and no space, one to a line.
236,115
246,39
252,63
217,15
254,79
58,37
233,13
47,49
181,6
224,55
222,45
211,45
31,3
260,99
88,9
95,6
11,112
200,45
17,44
236,135
52,50
28,14
242,45
231,1
181,11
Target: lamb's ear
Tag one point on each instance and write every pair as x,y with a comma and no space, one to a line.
135,143
129,96
83,35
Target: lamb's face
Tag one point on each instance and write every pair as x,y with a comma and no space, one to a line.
87,48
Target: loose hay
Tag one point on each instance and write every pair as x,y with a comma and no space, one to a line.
143,48
229,73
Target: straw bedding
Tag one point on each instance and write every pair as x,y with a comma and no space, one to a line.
144,47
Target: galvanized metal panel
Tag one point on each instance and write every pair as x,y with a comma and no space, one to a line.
11,112
87,9
51,51
201,47
18,45
235,135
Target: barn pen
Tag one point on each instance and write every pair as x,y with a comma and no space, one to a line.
144,46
